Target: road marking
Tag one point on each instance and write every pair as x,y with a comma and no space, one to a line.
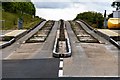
61,59
60,73
10,55
61,64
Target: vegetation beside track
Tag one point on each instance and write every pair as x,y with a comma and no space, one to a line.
10,21
13,11
93,18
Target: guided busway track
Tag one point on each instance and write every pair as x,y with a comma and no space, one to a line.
62,47
107,34
82,34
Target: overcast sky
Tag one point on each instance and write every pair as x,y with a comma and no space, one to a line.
68,9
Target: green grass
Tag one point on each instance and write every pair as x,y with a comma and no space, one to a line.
11,21
32,24
0,15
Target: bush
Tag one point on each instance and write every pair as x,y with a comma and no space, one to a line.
91,18
19,7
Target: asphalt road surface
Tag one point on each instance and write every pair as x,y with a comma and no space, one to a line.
33,68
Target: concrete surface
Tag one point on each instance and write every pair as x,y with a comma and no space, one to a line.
36,61
15,33
25,51
90,59
8,50
108,32
47,47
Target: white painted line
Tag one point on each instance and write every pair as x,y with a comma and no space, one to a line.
9,56
61,58
60,73
61,64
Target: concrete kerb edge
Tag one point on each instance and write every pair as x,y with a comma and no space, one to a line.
56,54
103,35
7,43
18,37
115,43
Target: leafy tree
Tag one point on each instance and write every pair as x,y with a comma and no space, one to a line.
93,18
19,7
116,4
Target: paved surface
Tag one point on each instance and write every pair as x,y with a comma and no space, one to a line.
100,39
2,32
8,50
35,50
90,59
15,33
108,32
43,68
102,59
47,48
78,64
32,60
25,51
117,31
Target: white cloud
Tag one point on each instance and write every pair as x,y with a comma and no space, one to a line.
71,9
56,14
71,0
52,4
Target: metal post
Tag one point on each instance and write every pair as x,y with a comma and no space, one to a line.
105,20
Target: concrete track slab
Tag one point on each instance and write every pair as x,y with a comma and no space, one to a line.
102,59
8,50
25,51
90,59
78,65
47,48
100,39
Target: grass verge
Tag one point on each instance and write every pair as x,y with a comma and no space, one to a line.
10,21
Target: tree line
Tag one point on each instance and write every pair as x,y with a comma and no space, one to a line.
93,18
19,7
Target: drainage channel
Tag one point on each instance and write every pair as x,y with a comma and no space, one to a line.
62,46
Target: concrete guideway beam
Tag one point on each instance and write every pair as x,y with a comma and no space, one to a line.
58,50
